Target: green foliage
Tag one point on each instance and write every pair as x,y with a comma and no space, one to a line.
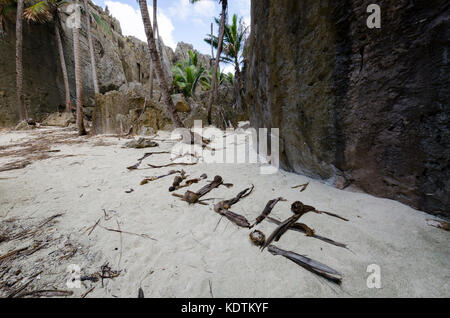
40,12
101,23
205,80
233,41
187,74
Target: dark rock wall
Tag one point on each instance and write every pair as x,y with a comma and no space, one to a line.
353,104
41,87
119,60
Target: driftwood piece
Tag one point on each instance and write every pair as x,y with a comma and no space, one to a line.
226,204
89,291
269,206
194,197
173,164
297,227
237,219
148,179
146,155
177,182
309,264
223,208
48,293
299,209
12,253
302,186
331,214
212,185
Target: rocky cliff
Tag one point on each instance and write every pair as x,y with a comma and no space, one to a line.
353,104
120,60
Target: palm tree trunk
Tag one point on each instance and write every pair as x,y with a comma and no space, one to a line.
237,85
63,64
91,47
78,78
19,67
157,64
214,85
151,64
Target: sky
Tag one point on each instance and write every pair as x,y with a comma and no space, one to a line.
178,20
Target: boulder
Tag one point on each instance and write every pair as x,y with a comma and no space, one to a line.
128,110
180,103
141,143
59,119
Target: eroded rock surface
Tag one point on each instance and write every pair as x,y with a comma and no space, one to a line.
353,104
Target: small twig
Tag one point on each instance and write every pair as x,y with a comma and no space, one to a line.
121,245
218,223
86,293
210,289
118,231
303,186
48,293
96,223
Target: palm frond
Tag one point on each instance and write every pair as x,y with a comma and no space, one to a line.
38,12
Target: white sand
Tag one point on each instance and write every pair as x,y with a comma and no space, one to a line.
189,256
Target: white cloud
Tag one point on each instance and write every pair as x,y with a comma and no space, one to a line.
131,22
184,10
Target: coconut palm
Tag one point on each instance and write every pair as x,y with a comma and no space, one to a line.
206,78
156,61
91,46
19,66
78,74
187,74
233,45
219,52
49,11
155,5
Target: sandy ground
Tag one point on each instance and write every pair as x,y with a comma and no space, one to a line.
173,249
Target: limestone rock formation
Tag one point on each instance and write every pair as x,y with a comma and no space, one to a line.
128,110
58,119
120,60
353,104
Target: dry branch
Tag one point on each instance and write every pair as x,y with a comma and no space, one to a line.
269,206
309,264
299,228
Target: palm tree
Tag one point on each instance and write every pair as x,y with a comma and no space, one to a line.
91,46
156,61
234,39
155,5
45,12
214,85
187,74
19,67
78,75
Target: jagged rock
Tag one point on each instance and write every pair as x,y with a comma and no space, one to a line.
180,103
182,53
59,119
122,111
346,98
24,125
141,143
